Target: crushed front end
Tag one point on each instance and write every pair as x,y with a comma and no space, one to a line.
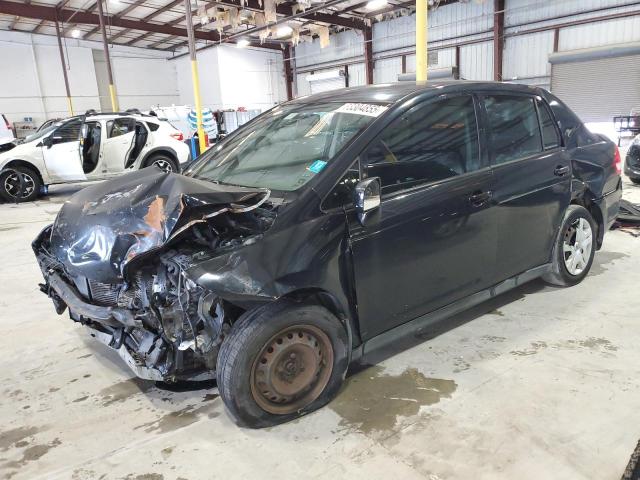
118,265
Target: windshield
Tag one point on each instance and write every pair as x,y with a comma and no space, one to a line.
42,133
287,147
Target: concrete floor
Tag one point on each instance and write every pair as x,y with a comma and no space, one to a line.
540,383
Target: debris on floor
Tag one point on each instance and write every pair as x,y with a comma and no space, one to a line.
628,219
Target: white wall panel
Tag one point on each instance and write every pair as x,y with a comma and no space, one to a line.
387,70
357,75
518,12
527,56
347,44
610,32
476,61
445,22
145,82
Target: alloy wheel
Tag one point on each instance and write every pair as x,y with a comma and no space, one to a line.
577,246
163,165
12,184
292,369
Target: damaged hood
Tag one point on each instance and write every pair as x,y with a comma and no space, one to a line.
103,227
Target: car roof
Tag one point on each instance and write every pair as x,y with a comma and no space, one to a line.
393,92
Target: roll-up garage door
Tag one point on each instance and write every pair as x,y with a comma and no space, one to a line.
597,84
325,81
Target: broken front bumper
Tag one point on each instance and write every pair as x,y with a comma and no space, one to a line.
148,354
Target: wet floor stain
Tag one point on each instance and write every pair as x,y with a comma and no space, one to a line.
176,420
601,345
6,229
372,401
145,476
496,312
80,399
11,437
494,339
31,454
460,365
124,390
602,259
166,452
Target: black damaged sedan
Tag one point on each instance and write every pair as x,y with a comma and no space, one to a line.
326,228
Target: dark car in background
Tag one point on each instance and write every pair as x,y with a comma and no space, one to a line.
632,161
326,228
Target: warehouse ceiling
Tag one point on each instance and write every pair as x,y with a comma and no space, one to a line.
160,24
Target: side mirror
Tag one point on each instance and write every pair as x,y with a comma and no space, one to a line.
367,200
47,141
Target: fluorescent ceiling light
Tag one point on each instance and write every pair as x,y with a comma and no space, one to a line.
284,31
75,33
373,5
243,42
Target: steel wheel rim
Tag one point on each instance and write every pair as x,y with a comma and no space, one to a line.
292,369
577,246
12,184
163,165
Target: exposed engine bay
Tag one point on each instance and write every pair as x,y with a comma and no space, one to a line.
128,284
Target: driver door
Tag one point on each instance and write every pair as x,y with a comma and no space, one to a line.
434,242
117,144
61,153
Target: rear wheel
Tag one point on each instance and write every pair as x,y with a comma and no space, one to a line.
574,249
281,361
635,180
163,162
20,184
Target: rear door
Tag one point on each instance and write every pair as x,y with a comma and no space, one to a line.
435,241
531,179
62,156
118,143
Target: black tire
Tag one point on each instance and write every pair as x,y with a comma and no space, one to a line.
9,184
162,161
635,180
251,337
560,275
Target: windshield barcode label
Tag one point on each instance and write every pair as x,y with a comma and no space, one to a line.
368,109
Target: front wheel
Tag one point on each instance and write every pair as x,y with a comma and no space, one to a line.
574,249
281,361
19,184
635,180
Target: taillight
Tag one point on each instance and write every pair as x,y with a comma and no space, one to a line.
177,135
617,161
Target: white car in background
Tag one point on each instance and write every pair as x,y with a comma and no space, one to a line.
87,148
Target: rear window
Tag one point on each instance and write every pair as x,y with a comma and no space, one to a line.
514,129
550,137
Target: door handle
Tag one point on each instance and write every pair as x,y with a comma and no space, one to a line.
561,171
479,198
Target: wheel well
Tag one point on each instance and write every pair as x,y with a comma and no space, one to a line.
160,151
595,212
316,296
30,166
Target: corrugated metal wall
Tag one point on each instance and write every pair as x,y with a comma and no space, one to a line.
525,57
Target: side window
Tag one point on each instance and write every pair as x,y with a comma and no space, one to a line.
153,126
550,137
513,125
68,132
120,126
430,142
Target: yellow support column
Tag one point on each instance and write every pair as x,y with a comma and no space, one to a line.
421,40
114,97
196,94
194,76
